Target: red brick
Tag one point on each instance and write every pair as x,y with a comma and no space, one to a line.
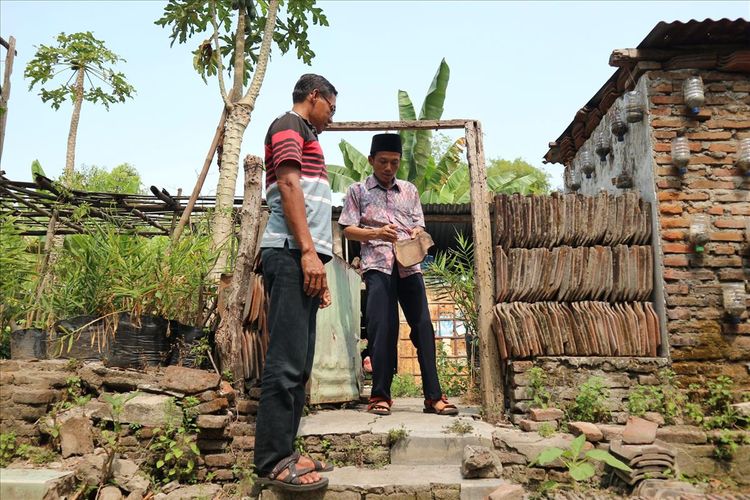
727,236
732,261
679,313
668,134
674,274
726,172
662,111
740,210
733,196
668,171
671,208
669,184
673,234
662,87
673,122
666,99
677,289
730,223
663,147
724,123
731,274
668,195
694,196
726,147
717,210
708,313
677,248
708,184
741,86
676,261
723,249
716,87
709,136
709,160
675,222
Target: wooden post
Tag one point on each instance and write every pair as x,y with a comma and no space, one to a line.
490,375
5,94
229,335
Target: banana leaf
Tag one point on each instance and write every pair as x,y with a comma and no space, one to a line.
339,179
408,137
355,161
432,109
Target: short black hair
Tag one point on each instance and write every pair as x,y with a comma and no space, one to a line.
309,82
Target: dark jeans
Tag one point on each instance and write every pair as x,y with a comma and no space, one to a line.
384,293
291,326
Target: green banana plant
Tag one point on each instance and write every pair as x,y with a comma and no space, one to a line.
445,180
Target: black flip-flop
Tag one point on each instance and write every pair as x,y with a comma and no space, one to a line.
291,481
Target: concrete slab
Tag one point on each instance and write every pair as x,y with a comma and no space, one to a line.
35,484
351,482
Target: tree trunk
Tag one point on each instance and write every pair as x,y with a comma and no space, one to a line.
223,222
5,93
230,331
237,122
70,156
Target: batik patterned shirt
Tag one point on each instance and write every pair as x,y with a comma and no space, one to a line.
292,138
370,205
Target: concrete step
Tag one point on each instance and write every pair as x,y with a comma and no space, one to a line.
35,484
398,482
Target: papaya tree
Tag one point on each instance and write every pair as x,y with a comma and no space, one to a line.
77,58
239,35
441,179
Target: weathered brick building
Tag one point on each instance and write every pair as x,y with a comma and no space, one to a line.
698,335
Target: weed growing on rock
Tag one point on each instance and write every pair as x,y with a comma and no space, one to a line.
396,435
10,449
665,399
173,449
546,430
537,389
580,466
459,427
590,403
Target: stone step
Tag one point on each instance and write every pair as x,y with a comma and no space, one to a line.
434,449
396,481
35,484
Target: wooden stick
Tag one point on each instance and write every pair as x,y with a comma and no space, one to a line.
399,125
201,178
5,95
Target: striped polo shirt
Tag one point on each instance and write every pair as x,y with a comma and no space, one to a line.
292,138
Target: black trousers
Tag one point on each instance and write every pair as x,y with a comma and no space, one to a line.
384,294
291,326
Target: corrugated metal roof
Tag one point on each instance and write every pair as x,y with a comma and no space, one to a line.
699,35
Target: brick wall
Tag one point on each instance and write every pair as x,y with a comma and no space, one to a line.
703,343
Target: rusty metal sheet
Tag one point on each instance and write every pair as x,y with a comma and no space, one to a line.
336,366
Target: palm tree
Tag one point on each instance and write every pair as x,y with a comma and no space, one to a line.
81,57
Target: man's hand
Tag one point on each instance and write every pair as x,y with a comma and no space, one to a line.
416,231
388,233
314,274
325,299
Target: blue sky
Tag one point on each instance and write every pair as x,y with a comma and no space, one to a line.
522,68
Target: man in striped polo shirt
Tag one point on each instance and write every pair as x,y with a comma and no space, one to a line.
296,243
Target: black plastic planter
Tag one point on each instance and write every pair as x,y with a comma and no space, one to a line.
28,344
139,342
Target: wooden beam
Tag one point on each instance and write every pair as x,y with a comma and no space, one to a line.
628,57
490,374
398,125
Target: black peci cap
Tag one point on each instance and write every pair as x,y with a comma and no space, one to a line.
385,142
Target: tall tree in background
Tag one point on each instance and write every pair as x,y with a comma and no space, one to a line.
246,49
81,57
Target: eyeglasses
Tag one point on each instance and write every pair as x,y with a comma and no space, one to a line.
332,106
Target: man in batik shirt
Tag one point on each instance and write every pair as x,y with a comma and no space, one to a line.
378,212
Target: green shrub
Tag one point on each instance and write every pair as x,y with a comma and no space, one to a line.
665,399
712,408
580,468
537,388
590,403
10,449
405,386
453,375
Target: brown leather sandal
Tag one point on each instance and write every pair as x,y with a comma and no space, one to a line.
448,409
379,407
291,482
